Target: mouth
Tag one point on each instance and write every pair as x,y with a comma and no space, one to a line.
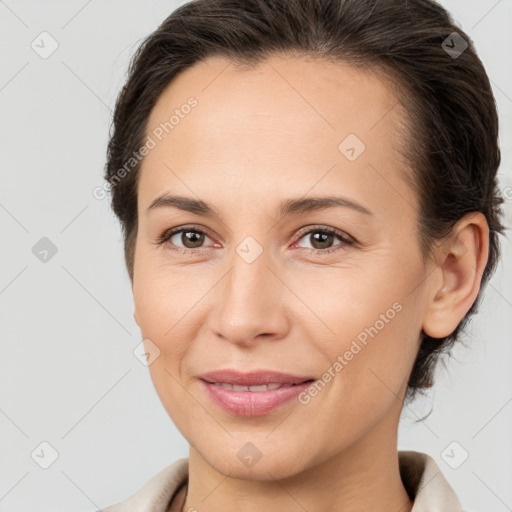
255,393
253,378
271,386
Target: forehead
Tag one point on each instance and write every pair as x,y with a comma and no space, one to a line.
282,128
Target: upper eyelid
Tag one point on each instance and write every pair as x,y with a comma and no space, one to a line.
342,235
334,231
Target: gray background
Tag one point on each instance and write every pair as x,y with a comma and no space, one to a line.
68,373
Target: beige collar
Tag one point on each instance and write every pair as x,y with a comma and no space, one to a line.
420,475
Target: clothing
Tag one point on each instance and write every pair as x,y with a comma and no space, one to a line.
420,474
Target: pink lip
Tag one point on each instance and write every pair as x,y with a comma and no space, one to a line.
252,403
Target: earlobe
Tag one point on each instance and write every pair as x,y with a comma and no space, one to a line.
462,260
135,317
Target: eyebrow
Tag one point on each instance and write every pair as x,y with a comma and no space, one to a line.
288,207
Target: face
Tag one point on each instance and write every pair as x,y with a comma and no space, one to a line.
337,290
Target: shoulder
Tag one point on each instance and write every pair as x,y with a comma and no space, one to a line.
426,484
156,493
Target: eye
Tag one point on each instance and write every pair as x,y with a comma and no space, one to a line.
321,238
192,237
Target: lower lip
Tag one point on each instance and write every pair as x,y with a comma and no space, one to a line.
252,403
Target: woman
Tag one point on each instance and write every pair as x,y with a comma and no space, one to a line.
308,196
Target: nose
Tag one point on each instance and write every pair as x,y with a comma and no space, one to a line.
249,305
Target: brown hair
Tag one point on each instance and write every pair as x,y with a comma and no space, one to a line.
452,129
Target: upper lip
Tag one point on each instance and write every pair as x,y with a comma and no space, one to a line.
254,378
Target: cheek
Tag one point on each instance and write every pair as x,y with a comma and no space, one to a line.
159,316
168,302
374,323
164,296
370,361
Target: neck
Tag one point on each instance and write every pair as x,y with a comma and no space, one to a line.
364,477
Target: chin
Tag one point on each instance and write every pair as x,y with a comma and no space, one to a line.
262,471
244,461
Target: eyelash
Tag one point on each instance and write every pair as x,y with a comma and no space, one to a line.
346,240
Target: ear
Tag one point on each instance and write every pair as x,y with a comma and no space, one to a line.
461,260
135,316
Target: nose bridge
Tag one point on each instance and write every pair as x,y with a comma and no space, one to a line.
248,303
249,275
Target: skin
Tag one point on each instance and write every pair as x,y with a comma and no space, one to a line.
258,137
